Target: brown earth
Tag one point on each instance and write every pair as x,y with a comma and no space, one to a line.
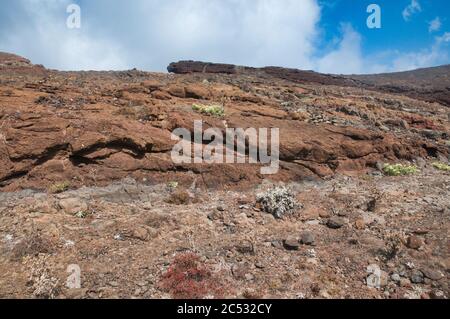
103,140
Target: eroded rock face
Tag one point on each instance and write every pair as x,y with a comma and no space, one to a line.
429,84
185,67
91,128
12,60
15,64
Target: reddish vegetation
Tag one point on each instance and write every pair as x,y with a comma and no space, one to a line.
189,278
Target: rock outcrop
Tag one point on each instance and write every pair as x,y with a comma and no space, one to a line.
91,128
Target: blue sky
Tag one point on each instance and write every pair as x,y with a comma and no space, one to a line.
328,36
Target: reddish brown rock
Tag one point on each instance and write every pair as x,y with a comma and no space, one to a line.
414,242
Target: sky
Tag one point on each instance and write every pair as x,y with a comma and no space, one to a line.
329,36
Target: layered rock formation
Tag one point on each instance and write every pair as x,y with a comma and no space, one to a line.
90,128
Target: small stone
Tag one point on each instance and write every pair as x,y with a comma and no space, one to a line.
420,231
240,270
220,208
437,294
291,244
324,294
410,265
417,277
73,205
380,166
243,201
245,247
414,242
141,233
313,222
260,265
310,213
371,205
214,216
372,218
311,253
77,293
249,277
377,278
396,277
324,214
421,163
335,223
307,238
360,224
241,219
142,283
432,274
405,283
276,244
343,213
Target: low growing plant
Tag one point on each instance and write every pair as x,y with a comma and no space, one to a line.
59,187
82,214
399,169
442,166
172,185
211,110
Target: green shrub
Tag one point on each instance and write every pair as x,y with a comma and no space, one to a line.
172,185
399,169
442,166
82,214
211,110
59,187
279,201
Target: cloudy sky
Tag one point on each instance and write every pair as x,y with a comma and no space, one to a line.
323,35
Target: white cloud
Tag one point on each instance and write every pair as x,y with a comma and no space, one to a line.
42,36
434,25
435,55
443,38
151,34
253,33
347,57
412,8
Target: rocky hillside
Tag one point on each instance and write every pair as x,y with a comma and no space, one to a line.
91,128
